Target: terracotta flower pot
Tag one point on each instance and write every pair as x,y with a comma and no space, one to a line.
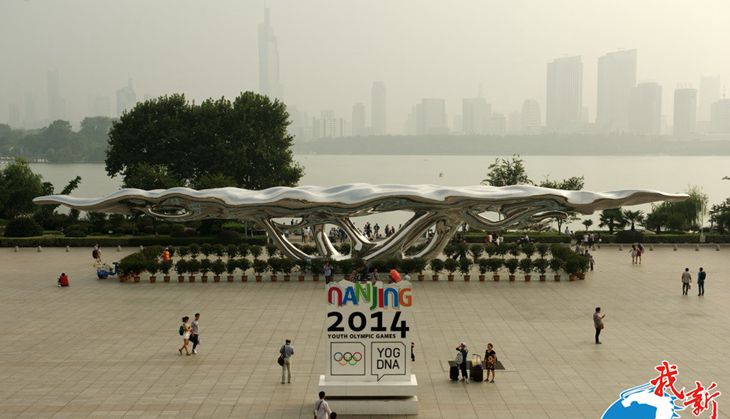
434,277
153,279
287,278
495,277
191,278
216,278
467,278
258,278
482,278
301,278
528,278
136,278
542,278
166,278
315,277
244,278
450,277
581,275
571,277
511,277
204,278
230,278
556,277
421,277
273,278
123,278
180,278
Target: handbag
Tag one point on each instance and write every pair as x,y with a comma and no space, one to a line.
280,360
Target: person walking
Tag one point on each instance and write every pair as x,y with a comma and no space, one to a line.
633,252
327,271
598,323
490,361
96,253
701,275
461,358
185,333
686,281
321,407
286,351
413,355
195,332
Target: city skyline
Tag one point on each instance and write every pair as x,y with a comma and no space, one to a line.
505,96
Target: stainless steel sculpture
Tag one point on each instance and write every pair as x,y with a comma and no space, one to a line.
443,208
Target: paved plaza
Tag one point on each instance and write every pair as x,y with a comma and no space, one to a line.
107,349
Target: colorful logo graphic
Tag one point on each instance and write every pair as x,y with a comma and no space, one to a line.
659,398
347,358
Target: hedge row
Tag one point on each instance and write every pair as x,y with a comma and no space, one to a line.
111,241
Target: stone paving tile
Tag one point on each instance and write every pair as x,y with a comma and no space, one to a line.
102,349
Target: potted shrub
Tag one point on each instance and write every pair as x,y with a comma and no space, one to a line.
194,250
243,250
255,251
583,264
502,249
301,268
205,265
165,267
483,268
206,249
542,249
513,249
476,250
193,269
451,265
419,265
259,267
183,251
572,267
286,267
465,268
181,267
218,250
218,267
528,249
494,265
490,249
406,267
541,265
243,264
526,268
437,266
511,264
345,267
555,265
275,266
231,266
316,266
232,251
272,251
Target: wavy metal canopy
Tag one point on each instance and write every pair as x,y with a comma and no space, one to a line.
441,207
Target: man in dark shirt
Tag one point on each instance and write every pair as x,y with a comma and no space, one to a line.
701,275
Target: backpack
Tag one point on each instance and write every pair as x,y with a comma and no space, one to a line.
459,358
181,330
95,254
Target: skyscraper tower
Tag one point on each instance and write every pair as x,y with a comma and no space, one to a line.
616,81
646,109
269,84
685,112
56,104
358,119
378,109
709,93
564,94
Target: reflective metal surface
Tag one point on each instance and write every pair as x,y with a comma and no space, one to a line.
440,208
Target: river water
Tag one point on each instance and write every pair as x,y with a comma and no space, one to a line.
602,173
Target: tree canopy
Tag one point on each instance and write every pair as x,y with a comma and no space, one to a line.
18,186
170,141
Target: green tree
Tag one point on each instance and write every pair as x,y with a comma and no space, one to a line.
573,183
587,222
507,172
243,142
613,219
720,216
633,217
18,186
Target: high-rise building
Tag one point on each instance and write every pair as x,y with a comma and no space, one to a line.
710,88
126,98
616,80
720,117
475,115
564,94
497,124
329,126
30,118
646,109
378,109
56,104
269,84
358,120
431,117
531,117
685,112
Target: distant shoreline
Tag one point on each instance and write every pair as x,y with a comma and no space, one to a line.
535,145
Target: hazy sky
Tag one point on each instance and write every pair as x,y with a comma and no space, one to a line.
332,50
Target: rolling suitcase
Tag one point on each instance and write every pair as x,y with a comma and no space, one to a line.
454,372
477,373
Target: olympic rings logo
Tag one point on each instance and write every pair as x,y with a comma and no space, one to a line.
348,358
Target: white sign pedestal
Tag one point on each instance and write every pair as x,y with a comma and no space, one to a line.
368,368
